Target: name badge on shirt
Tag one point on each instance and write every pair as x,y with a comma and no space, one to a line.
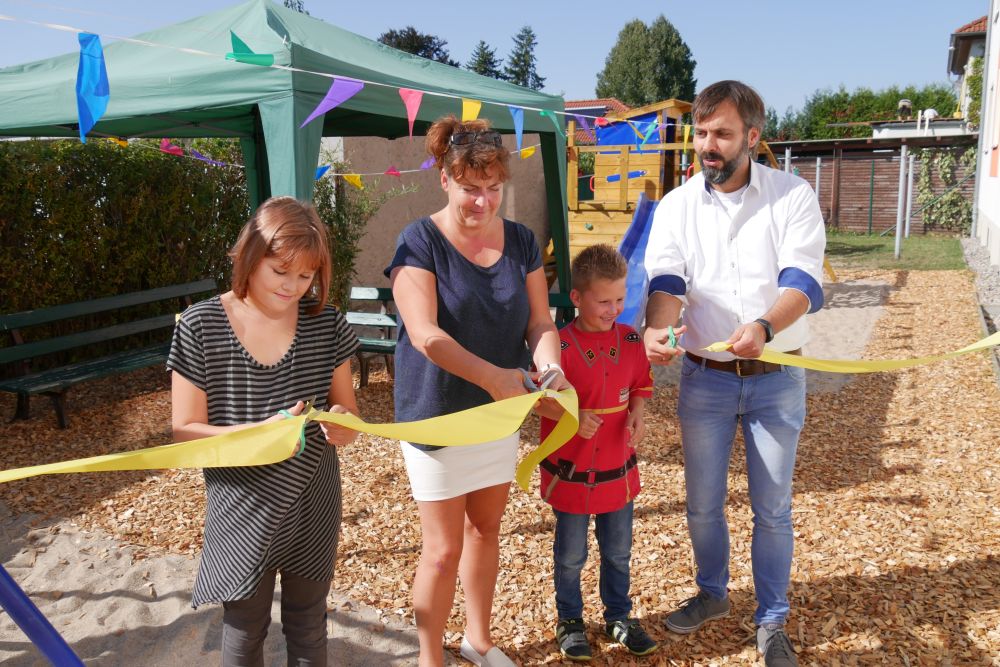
623,395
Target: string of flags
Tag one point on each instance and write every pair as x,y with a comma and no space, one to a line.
93,94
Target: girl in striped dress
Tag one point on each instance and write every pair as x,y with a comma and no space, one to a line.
254,355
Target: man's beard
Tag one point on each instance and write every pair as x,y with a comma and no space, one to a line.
718,176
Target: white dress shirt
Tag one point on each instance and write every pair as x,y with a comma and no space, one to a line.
729,258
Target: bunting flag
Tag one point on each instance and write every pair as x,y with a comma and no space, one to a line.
527,152
555,121
204,158
92,90
411,98
242,53
123,143
427,164
517,114
582,120
169,148
392,171
601,122
687,133
322,169
653,127
470,109
341,90
355,180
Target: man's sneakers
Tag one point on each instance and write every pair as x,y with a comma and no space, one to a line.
774,645
630,634
697,611
571,635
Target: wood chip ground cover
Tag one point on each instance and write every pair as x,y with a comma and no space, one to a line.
896,508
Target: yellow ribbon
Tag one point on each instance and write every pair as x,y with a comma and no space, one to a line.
859,366
277,441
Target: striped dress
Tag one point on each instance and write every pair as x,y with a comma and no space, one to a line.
283,516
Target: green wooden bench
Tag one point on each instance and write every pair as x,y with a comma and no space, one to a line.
381,322
54,382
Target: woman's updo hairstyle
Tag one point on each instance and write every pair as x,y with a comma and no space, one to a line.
479,156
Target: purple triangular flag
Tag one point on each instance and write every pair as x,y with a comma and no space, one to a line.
341,90
428,163
582,120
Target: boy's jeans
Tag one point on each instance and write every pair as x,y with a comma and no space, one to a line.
772,410
614,540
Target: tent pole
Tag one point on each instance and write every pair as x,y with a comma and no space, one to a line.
554,170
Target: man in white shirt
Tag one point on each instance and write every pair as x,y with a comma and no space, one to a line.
740,248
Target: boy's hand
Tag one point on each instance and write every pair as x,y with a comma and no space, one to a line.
589,423
636,427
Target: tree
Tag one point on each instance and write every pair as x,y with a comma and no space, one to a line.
484,61
421,44
839,107
521,62
648,64
297,5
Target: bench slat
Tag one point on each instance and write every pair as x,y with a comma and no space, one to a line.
57,379
370,319
377,345
60,343
371,294
30,318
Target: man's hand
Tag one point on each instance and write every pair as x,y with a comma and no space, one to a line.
748,340
658,349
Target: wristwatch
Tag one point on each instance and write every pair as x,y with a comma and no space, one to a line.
768,329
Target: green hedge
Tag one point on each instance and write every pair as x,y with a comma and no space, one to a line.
81,221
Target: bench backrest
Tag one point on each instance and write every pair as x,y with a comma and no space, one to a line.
14,322
30,318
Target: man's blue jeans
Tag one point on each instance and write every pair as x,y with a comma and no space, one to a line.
771,408
614,540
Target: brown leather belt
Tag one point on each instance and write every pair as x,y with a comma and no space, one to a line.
741,367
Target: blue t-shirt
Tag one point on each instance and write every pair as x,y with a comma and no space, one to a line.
485,309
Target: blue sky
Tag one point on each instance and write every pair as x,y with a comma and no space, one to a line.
786,49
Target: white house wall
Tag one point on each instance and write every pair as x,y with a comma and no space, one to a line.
988,201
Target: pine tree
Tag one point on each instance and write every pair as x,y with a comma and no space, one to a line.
521,63
421,44
297,5
648,64
484,61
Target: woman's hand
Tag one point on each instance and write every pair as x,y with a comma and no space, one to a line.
505,383
336,434
295,411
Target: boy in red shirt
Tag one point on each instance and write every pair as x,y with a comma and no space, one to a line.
595,473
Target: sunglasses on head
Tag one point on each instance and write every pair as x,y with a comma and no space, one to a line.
482,137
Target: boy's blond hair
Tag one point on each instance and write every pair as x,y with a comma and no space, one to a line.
598,262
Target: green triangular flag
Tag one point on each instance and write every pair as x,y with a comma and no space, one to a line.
242,54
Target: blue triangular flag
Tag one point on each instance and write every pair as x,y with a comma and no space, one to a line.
322,169
92,90
517,113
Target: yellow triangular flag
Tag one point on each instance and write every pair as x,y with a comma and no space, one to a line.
527,152
687,133
121,142
470,109
355,180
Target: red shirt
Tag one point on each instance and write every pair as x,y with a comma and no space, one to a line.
606,368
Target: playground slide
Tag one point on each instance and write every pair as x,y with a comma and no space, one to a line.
633,247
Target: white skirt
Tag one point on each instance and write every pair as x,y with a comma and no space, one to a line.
454,471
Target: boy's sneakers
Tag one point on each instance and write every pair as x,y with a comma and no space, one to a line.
696,611
630,634
571,635
774,645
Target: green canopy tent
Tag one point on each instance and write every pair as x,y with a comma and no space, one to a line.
176,82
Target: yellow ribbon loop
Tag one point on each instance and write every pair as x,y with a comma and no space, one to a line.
277,441
859,366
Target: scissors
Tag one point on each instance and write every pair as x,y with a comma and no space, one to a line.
544,380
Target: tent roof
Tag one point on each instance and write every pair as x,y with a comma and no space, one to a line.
164,91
